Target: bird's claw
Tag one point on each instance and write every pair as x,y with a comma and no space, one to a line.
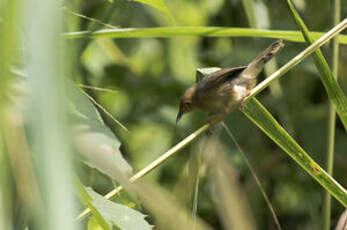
242,103
213,121
242,106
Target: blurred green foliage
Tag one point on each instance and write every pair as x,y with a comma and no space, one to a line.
150,74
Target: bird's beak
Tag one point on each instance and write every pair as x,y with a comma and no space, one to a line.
179,116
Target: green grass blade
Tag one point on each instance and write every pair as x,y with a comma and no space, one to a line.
249,7
48,124
334,91
267,123
207,31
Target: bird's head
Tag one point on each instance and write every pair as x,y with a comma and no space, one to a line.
186,103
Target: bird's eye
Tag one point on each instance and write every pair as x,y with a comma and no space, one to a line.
187,104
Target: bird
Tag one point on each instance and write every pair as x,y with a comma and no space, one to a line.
222,90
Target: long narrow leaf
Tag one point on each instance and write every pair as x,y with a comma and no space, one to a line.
46,59
267,123
288,35
334,91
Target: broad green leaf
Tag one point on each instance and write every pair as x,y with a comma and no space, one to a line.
100,148
81,106
334,91
95,141
109,214
206,31
268,124
159,5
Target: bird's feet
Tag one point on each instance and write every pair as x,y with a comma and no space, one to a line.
242,103
213,120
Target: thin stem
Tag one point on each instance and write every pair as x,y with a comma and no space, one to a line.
197,158
90,19
105,111
254,175
97,88
331,121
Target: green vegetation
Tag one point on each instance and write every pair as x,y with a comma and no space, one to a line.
88,101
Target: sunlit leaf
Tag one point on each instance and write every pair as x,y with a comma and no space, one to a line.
95,141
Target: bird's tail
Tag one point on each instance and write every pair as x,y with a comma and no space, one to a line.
256,66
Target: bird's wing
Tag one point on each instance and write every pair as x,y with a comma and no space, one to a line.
219,77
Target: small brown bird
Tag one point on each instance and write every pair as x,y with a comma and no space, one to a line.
226,88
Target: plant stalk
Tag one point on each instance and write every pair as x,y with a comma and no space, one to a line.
331,121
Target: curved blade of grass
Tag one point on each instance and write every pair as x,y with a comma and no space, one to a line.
206,31
334,91
267,123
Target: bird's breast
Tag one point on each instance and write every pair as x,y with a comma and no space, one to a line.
238,92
